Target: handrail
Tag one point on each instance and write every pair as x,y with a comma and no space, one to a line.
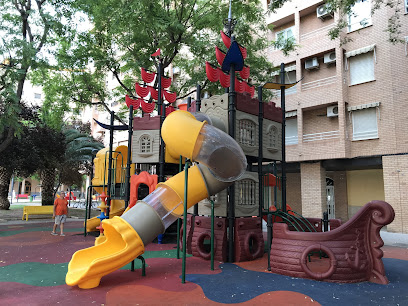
311,225
276,214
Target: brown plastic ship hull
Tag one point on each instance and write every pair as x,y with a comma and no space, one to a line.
353,249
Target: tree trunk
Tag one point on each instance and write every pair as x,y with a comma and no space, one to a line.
5,176
47,183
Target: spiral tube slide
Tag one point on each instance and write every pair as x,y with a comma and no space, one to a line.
221,162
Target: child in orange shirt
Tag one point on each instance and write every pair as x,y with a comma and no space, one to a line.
60,213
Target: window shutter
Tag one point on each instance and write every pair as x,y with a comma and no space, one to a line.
361,68
365,124
291,132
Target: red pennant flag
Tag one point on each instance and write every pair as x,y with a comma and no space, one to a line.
157,53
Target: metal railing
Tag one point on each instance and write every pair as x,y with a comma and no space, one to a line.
319,31
291,140
321,136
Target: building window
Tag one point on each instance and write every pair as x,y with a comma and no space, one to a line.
273,137
365,124
247,132
360,15
146,145
291,131
362,68
246,190
37,96
284,37
406,6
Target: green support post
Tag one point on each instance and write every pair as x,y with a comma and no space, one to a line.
178,220
212,235
183,267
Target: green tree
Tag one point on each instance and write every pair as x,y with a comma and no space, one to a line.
33,150
73,156
120,43
28,30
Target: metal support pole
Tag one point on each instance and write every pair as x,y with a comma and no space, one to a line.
178,220
188,102
69,196
12,189
198,98
87,210
108,199
141,258
260,150
212,235
325,221
269,228
129,156
231,189
162,114
283,165
275,188
183,266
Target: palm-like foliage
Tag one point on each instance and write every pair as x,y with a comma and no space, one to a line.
75,160
79,147
79,151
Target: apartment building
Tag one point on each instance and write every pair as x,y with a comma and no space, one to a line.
347,127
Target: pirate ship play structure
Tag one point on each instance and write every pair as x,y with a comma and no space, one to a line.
229,138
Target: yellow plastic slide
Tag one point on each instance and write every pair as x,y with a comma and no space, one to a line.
221,162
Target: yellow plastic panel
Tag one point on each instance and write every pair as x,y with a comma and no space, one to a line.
121,246
180,131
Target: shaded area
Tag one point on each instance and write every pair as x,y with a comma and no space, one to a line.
241,285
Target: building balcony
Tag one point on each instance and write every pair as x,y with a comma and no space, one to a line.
321,136
320,32
291,140
319,83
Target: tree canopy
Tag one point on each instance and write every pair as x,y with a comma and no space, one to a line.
28,30
120,43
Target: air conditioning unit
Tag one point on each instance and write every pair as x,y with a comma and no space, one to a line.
323,12
333,111
330,58
311,63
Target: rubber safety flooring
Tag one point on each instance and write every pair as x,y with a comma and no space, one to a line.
33,265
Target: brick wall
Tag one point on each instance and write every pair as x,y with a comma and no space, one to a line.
395,170
294,192
310,23
313,186
316,121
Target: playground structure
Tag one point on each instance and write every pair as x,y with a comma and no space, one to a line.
126,236
117,205
232,218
